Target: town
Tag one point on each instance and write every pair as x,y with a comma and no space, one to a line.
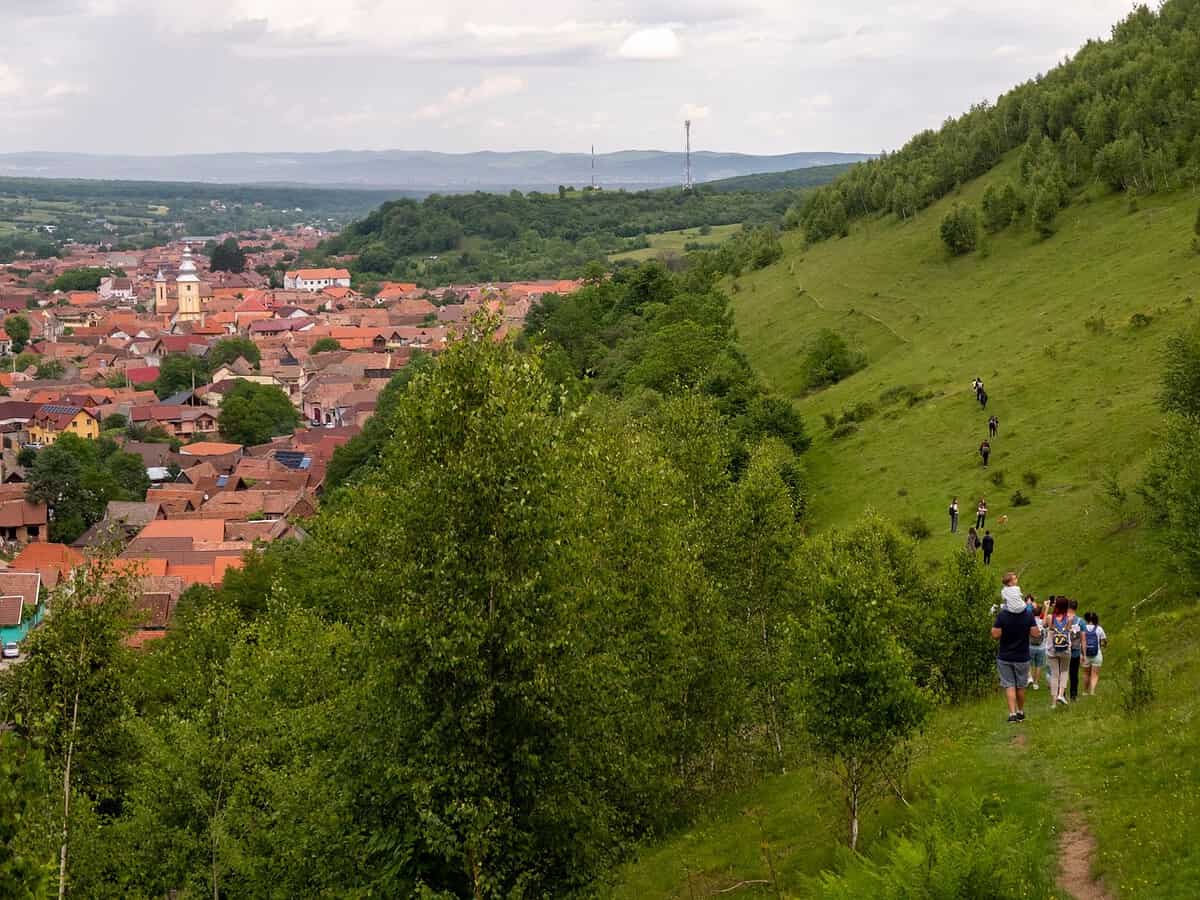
144,363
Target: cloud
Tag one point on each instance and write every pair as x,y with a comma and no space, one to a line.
462,97
1004,51
694,112
651,44
60,89
11,82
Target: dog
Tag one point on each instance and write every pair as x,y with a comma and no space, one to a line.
1003,520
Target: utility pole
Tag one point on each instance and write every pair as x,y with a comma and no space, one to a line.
687,154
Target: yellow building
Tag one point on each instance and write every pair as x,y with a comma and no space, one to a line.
161,303
51,421
187,290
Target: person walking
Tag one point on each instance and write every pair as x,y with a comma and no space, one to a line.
985,450
1037,647
1058,626
954,516
972,541
989,544
1077,625
993,426
981,513
1094,642
977,386
1015,627
982,398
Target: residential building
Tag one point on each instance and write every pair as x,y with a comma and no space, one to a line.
51,421
314,280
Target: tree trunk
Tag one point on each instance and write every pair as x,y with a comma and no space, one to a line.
62,853
854,821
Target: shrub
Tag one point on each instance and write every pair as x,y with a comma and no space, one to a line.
1139,320
859,412
960,230
1139,692
916,528
1031,479
844,430
829,359
1019,499
1096,325
830,419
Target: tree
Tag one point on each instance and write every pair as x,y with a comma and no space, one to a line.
18,330
226,350
227,256
829,359
22,781
50,369
859,704
254,413
325,345
179,372
1044,210
86,278
960,230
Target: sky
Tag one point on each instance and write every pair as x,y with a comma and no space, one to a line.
755,76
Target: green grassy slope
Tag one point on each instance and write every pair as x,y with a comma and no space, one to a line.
1074,406
674,241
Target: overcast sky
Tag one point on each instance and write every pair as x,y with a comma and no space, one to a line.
759,76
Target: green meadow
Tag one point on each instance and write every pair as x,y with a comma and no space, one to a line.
674,241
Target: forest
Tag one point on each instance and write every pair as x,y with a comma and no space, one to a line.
476,237
1120,114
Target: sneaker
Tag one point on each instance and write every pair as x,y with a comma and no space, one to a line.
1062,701
1036,686
1013,718
1029,682
1021,716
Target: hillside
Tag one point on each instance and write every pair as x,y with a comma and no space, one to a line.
789,180
416,170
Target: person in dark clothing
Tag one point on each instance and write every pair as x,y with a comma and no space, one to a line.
1076,647
983,398
954,516
972,541
993,426
985,450
988,544
1015,625
981,513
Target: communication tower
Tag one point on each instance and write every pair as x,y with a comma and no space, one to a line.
687,154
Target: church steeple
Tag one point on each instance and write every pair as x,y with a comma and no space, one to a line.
187,289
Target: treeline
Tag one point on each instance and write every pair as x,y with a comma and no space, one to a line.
1120,113
499,237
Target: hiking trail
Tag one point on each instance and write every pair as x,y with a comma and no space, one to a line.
1076,848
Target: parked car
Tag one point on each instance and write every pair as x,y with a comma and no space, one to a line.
11,650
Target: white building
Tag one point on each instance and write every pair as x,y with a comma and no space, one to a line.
315,279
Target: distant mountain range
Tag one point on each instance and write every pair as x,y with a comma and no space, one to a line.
416,170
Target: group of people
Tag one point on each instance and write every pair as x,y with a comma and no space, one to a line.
980,393
1053,637
975,543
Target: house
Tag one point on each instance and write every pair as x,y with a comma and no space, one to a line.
180,421
20,520
52,562
52,420
314,280
113,287
21,604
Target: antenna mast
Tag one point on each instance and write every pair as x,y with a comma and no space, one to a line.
593,167
687,154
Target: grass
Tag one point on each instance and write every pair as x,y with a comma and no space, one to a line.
673,241
1077,408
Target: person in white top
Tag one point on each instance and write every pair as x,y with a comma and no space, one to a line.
1094,642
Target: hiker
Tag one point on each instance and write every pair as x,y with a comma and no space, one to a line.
972,541
1058,625
977,386
1076,647
989,544
981,513
983,398
985,450
1037,646
954,516
1014,627
993,426
1094,642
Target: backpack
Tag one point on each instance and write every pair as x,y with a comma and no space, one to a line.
1091,642
1060,636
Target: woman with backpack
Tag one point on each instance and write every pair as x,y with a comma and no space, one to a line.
1058,627
1094,642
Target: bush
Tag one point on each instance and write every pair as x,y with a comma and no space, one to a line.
844,430
859,412
830,419
1031,479
1139,692
1139,320
960,230
1019,499
829,359
916,528
1096,325
997,478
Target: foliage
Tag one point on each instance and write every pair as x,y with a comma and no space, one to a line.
227,256
76,478
325,345
22,779
254,413
829,359
226,350
1080,118
1138,692
179,372
85,278
49,369
915,527
18,329
1019,498
1001,206
960,230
